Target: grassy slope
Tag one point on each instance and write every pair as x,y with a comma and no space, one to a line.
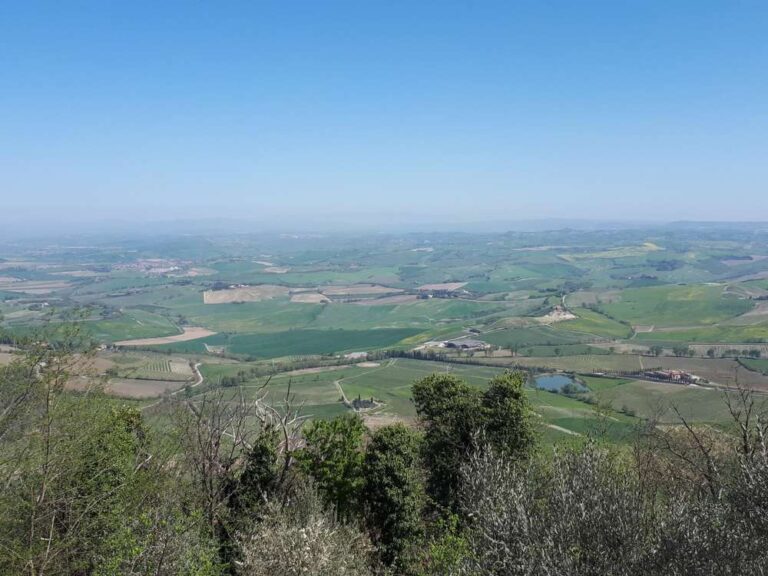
391,383
592,322
696,305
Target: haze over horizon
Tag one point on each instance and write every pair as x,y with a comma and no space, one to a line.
382,114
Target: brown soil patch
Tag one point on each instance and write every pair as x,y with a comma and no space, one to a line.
42,287
6,358
181,368
194,272
388,300
276,270
358,289
130,388
316,370
190,333
447,286
368,365
79,273
309,298
738,262
244,294
556,316
376,421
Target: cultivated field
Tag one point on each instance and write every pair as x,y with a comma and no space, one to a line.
244,294
140,389
609,295
188,333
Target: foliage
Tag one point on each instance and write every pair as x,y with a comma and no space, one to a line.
451,415
86,487
454,414
333,457
304,540
393,493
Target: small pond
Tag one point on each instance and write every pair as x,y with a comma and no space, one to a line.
556,382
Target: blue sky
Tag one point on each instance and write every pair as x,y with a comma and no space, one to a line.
459,111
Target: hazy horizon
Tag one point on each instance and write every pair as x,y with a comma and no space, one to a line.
381,115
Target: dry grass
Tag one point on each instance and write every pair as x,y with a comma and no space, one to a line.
33,287
448,286
358,289
245,294
137,389
388,300
190,333
276,270
309,298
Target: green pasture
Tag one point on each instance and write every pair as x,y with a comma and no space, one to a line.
598,383
659,400
754,364
131,324
531,336
580,364
297,342
391,383
592,322
691,305
756,333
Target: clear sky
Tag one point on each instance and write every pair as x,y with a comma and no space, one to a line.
463,111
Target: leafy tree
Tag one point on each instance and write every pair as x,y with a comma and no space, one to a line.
333,457
394,493
450,412
507,415
86,487
304,539
454,413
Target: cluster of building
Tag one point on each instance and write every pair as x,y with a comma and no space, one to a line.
677,376
157,266
466,344
443,290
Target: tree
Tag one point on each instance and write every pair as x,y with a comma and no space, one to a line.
86,485
303,539
450,412
393,493
507,415
333,457
656,350
454,415
682,350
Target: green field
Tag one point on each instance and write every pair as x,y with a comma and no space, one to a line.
598,384
296,342
696,305
588,363
709,335
630,289
658,400
755,364
592,322
131,324
528,336
391,383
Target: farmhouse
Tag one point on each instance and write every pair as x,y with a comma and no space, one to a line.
677,376
443,290
467,344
